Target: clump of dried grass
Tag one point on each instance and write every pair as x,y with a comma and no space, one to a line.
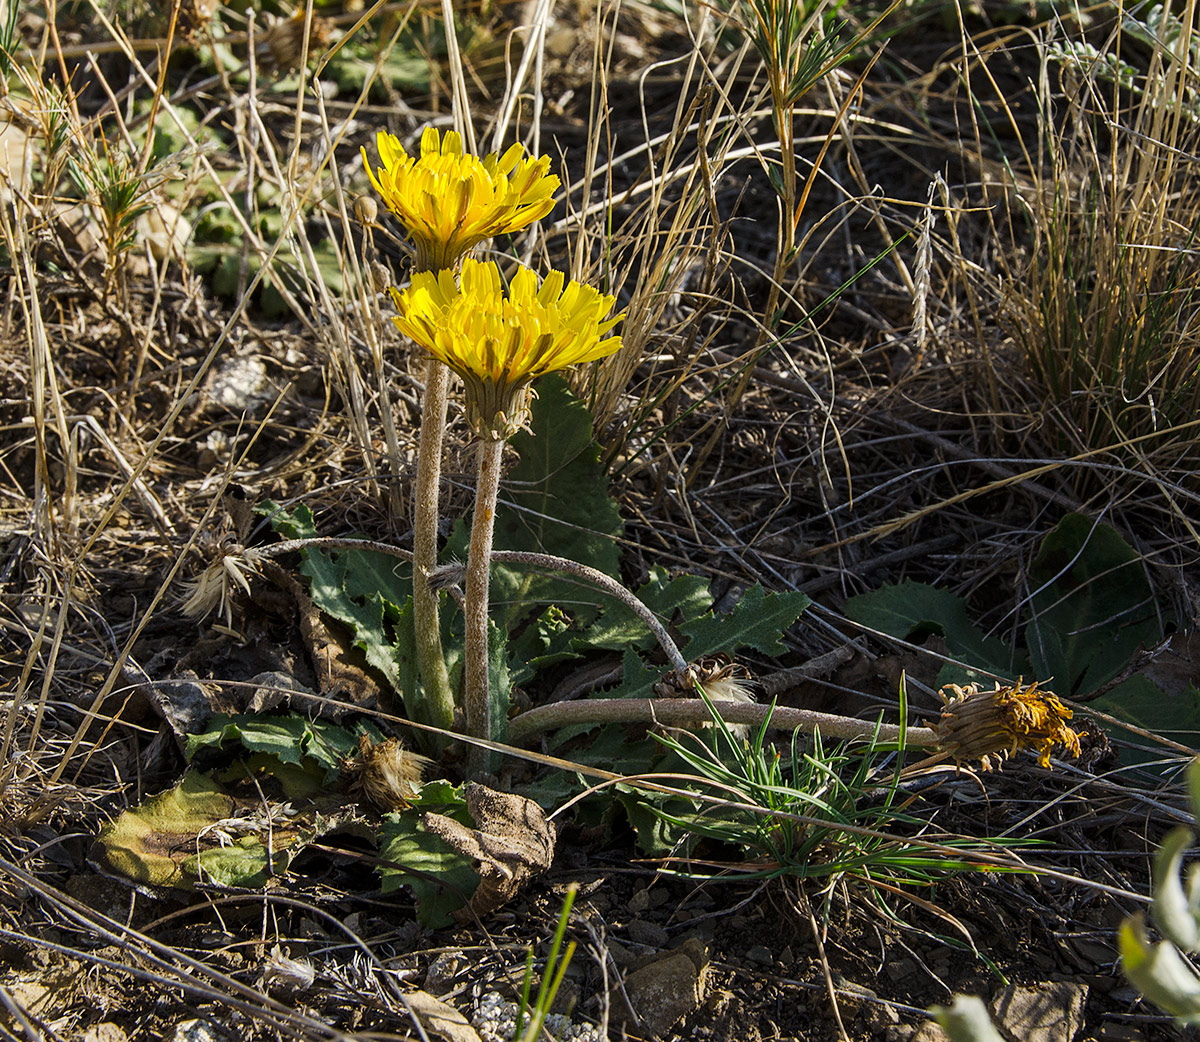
1103,298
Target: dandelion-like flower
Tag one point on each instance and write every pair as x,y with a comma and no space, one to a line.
449,200
498,341
979,725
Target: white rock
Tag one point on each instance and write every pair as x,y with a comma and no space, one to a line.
165,230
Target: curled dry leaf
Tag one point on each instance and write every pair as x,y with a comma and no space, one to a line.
440,1018
339,676
511,843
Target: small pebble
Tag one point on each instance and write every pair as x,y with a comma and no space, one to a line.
639,902
643,932
496,1021
760,955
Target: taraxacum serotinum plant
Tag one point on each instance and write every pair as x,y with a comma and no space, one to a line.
449,202
498,341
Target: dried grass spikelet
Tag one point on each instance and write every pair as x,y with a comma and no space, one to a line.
282,46
992,725
386,774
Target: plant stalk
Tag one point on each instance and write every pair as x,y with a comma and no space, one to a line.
551,563
476,695
533,561
682,712
431,660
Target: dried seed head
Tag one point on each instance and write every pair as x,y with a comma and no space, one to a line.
387,774
447,576
283,44
213,589
287,973
722,679
982,725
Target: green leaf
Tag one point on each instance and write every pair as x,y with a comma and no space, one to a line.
149,842
655,819
499,682
682,599
619,749
912,611
637,682
404,653
1139,701
441,879
1175,908
758,621
775,176
197,830
1093,607
244,862
544,641
966,1020
289,738
1159,972
367,591
296,523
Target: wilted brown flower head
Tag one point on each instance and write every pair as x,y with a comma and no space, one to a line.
387,774
228,570
982,725
722,679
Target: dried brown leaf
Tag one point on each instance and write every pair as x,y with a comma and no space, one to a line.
511,843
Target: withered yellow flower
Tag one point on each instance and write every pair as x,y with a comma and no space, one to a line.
979,725
449,201
499,341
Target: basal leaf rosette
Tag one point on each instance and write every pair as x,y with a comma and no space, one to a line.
449,201
499,341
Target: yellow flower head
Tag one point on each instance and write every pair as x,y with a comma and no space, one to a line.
981,724
498,341
449,201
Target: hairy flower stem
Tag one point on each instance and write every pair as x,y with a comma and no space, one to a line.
681,712
431,661
532,561
476,696
550,563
